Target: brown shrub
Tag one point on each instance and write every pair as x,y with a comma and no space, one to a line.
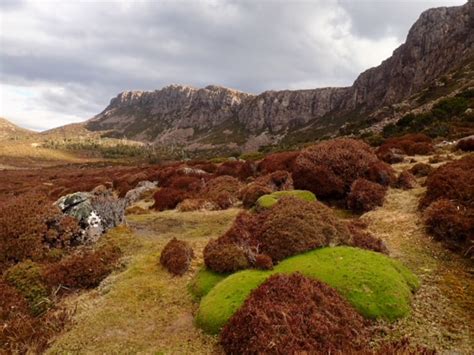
84,269
294,226
278,161
409,144
168,198
363,239
225,257
405,180
291,314
263,262
453,224
29,225
196,204
329,168
186,183
365,195
223,190
421,169
453,181
381,173
238,169
276,181
466,144
176,257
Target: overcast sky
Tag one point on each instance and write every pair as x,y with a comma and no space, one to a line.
62,61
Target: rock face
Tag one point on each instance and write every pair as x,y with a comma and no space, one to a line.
440,41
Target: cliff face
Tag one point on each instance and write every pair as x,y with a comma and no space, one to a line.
439,41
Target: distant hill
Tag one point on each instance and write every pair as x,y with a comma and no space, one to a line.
10,131
440,42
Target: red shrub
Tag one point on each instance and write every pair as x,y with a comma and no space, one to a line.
453,181
278,161
276,181
85,269
29,225
223,190
186,183
176,256
453,224
263,262
381,173
363,239
225,257
291,314
329,168
421,169
252,192
294,226
238,169
405,180
365,195
409,144
168,198
466,144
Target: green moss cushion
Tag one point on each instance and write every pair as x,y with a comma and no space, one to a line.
204,281
377,286
267,201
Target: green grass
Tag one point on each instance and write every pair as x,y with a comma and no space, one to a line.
378,287
204,281
267,201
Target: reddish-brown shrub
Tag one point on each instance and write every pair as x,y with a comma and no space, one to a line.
196,204
453,181
84,269
276,181
29,225
176,256
168,198
186,183
291,314
365,195
405,180
409,144
225,257
263,262
329,168
466,144
223,190
294,226
453,224
363,239
381,173
238,169
421,169
278,161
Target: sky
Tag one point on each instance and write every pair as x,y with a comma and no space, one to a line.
62,61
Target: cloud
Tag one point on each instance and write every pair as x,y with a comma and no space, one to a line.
73,57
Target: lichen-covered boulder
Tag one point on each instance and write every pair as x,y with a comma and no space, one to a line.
135,194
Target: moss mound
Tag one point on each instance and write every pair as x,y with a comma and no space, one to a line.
377,286
204,281
267,201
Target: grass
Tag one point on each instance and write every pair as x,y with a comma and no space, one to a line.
267,201
142,308
377,286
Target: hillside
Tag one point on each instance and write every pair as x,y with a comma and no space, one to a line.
440,42
10,131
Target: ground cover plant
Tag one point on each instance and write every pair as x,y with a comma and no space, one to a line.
269,200
365,195
375,285
176,256
291,314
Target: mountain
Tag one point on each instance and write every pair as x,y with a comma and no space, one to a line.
440,41
10,131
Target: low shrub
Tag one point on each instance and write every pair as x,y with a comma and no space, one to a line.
381,173
453,224
263,262
278,161
329,168
268,201
363,239
238,169
466,144
409,144
84,269
224,257
186,183
196,204
27,278
168,198
223,191
405,180
251,193
176,257
421,169
276,181
290,314
377,286
365,195
294,226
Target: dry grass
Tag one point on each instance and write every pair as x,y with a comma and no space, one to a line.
442,315
144,309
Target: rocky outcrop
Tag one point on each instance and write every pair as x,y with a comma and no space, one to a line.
441,40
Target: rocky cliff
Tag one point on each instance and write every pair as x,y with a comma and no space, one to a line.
440,40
